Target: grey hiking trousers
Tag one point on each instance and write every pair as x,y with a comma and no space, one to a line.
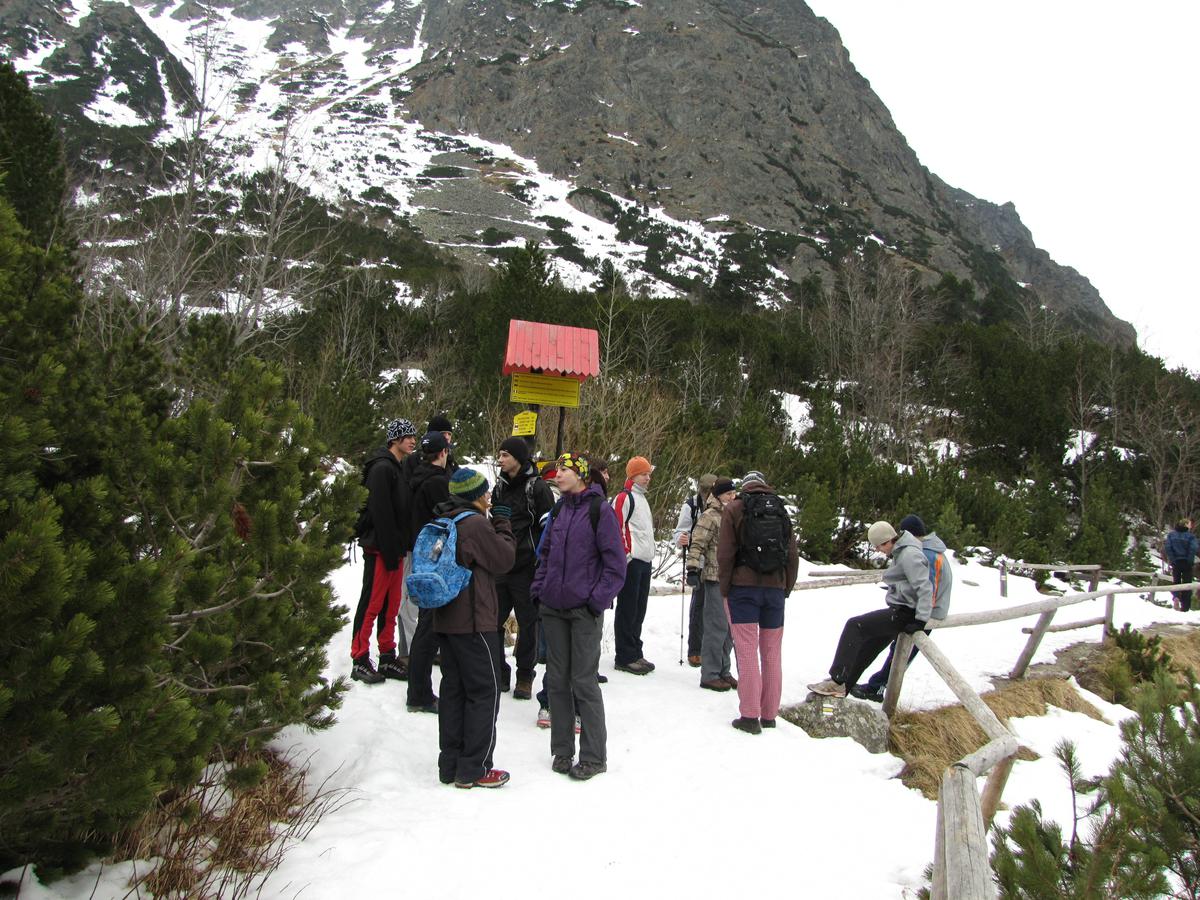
572,661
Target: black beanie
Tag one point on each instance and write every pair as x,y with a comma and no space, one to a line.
440,423
913,525
517,449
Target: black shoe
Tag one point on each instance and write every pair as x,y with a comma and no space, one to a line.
523,690
868,692
601,679
390,667
431,707
363,671
767,723
446,779
562,764
750,726
582,771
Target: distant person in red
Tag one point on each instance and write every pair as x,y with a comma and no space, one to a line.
384,542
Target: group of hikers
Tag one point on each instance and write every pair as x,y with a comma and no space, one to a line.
449,558
548,548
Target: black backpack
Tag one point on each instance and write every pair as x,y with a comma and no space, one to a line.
363,524
766,533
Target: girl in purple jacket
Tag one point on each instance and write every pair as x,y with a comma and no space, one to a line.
581,567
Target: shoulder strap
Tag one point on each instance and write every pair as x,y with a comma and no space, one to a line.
935,570
629,496
594,512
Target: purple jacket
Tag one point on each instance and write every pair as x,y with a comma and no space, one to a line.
578,567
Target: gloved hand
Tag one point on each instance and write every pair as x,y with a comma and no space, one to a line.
501,512
693,577
913,626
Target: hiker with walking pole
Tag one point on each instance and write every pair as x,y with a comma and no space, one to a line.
702,572
682,579
689,515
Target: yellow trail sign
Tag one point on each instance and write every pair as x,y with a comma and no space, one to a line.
525,424
545,390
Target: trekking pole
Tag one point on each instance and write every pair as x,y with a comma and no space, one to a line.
682,582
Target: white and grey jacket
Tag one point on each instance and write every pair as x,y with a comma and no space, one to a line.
907,577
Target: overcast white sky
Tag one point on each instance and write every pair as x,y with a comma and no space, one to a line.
1083,114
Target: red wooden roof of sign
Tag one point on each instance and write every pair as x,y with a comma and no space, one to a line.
552,350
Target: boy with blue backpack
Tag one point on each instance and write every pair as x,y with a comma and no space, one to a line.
1181,551
941,578
909,606
456,560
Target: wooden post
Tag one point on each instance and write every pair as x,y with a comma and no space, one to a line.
1094,581
968,874
562,423
1110,603
1003,578
937,888
891,696
1031,645
993,788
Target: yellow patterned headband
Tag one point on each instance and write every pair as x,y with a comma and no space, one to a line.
572,461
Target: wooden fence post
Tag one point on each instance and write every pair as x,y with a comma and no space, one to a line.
937,888
968,873
891,696
1031,645
993,788
1110,603
1003,578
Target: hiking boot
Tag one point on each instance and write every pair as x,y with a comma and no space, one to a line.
601,679
748,725
637,667
645,662
767,723
730,680
694,661
582,771
562,764
715,684
578,725
523,690
543,719
506,683
868,692
431,707
363,671
492,778
390,667
828,688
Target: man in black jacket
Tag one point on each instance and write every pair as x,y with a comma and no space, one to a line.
430,485
384,541
520,489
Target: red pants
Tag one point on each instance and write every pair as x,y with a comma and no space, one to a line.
380,595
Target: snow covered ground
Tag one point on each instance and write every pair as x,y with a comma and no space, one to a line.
689,805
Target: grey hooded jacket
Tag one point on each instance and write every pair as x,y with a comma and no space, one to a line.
945,581
907,577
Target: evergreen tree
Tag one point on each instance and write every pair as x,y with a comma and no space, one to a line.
30,159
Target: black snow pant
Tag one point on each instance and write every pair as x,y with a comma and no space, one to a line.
1182,574
863,639
468,706
512,595
696,621
420,660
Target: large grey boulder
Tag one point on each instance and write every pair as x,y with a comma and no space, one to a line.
822,717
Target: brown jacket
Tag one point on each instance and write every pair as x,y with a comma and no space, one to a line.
487,548
731,533
702,548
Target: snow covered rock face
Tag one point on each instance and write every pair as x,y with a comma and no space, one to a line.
727,143
823,717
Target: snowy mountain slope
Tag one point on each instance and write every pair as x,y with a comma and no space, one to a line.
731,145
688,804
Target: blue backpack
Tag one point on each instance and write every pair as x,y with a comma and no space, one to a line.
437,578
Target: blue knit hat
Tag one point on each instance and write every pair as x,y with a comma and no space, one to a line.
468,484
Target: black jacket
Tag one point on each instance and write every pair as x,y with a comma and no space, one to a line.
389,508
430,486
529,498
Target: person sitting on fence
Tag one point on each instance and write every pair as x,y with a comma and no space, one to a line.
940,577
909,605
1181,554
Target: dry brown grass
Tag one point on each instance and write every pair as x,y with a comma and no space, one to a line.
1184,650
930,741
212,843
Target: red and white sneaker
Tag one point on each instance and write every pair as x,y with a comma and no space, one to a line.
578,725
543,719
492,778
